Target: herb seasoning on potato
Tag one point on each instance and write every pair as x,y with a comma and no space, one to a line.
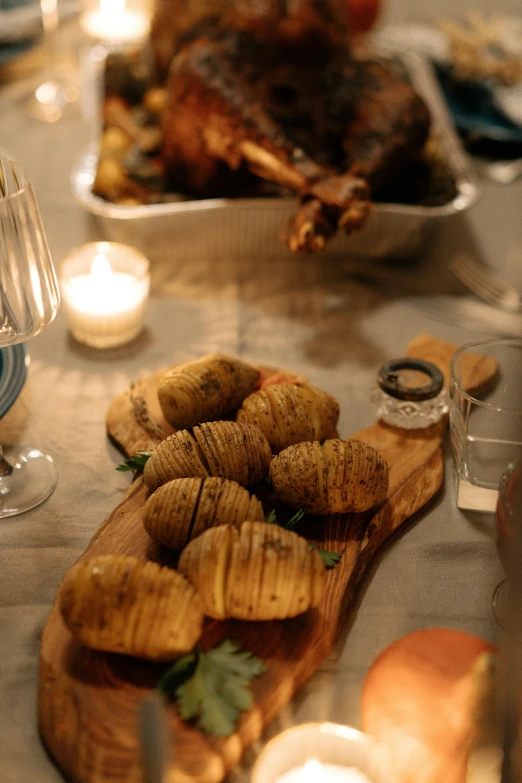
239,452
259,572
119,604
335,477
205,390
291,413
182,509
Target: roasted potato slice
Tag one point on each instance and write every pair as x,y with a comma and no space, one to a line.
184,508
259,572
205,390
239,452
290,413
120,604
331,478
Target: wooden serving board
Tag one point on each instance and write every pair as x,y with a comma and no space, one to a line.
425,698
88,701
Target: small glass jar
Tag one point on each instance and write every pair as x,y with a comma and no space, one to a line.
410,394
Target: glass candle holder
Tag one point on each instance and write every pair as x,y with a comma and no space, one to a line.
105,287
411,394
117,23
322,751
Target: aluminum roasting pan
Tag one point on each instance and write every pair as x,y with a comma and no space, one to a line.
251,227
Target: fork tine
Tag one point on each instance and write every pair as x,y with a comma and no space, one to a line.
484,284
481,275
476,280
476,285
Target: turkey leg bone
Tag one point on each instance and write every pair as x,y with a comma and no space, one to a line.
213,117
388,130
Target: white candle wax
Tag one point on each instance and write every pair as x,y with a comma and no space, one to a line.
105,307
315,772
112,22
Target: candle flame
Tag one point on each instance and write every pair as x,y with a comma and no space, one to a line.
101,272
112,8
313,771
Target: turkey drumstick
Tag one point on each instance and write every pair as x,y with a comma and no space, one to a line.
388,130
214,117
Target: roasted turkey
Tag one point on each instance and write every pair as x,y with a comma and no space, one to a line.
269,88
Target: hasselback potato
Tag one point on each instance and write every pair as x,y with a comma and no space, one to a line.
290,413
259,572
239,452
182,509
330,478
205,390
120,604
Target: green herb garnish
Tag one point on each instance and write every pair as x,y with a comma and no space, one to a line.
272,519
291,524
213,686
330,559
136,462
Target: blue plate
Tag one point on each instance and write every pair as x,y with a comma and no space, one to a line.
13,372
472,106
11,51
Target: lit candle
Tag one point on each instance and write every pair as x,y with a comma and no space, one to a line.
315,772
335,753
115,24
105,287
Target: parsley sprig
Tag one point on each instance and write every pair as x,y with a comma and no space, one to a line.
330,559
135,462
291,524
212,687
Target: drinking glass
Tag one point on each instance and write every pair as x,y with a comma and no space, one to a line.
485,424
29,300
51,98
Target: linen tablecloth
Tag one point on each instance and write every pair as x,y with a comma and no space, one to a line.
334,327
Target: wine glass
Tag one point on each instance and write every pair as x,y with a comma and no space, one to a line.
29,300
50,99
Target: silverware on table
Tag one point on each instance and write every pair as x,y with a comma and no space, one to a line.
502,171
153,739
486,284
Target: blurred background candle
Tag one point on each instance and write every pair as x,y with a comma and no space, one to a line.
113,22
315,772
323,753
105,286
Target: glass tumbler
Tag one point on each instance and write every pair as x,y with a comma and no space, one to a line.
485,423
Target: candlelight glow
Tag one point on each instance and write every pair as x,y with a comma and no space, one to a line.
105,287
112,8
313,771
101,271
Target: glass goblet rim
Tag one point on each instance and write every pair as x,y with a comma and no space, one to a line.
23,184
456,385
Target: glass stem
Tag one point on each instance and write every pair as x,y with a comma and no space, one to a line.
50,24
5,467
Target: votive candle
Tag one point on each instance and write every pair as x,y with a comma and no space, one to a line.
323,753
113,23
105,286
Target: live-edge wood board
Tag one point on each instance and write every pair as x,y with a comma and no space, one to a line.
88,701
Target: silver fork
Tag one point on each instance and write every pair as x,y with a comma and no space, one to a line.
486,284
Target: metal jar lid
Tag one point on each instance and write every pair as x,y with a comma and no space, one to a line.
389,381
